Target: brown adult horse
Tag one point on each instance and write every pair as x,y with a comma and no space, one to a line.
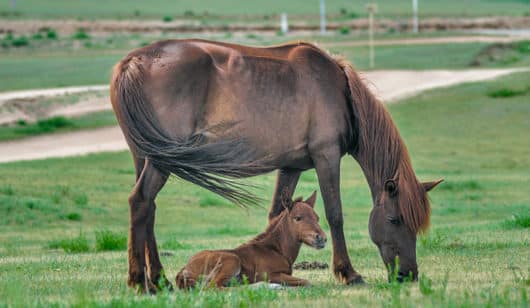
211,112
269,256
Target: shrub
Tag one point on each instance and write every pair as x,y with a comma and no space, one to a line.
73,245
81,34
46,125
507,92
20,41
189,13
344,30
37,36
523,46
167,18
51,34
74,216
107,240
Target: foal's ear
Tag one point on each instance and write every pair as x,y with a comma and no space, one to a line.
430,185
312,199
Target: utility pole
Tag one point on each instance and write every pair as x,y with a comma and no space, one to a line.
372,9
323,16
415,16
284,25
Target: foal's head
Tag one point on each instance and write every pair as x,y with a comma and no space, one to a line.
302,221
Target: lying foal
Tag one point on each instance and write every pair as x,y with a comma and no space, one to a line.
268,257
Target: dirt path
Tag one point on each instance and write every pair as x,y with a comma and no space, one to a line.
433,40
390,86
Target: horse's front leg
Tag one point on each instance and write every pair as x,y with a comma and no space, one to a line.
327,165
285,186
141,202
288,280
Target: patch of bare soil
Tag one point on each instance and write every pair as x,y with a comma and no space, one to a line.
33,108
503,53
306,265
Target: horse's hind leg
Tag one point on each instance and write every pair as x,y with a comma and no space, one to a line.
230,267
141,203
327,165
154,266
285,186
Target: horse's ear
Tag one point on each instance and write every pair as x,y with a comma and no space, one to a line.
430,185
312,199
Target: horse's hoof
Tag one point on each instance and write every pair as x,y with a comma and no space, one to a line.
356,280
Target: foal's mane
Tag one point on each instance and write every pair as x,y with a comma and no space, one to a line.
382,153
274,223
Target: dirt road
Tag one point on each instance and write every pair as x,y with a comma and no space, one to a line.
390,86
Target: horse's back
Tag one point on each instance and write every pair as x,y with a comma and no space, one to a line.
269,96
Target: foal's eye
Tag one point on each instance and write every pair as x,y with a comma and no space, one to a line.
394,220
298,218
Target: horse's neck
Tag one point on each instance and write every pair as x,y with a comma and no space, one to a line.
281,240
380,151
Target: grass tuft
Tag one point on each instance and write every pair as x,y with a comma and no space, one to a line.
74,216
73,245
81,34
107,241
81,199
508,92
517,221
212,200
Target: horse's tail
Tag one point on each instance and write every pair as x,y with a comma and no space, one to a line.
211,165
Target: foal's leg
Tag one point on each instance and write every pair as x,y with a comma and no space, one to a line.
327,165
285,186
288,280
141,202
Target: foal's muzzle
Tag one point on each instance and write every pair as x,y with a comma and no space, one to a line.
320,241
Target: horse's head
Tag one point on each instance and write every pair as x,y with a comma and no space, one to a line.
303,221
401,210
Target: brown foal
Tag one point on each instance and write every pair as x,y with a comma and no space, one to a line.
267,257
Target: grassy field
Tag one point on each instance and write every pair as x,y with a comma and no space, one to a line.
63,221
69,62
58,124
208,9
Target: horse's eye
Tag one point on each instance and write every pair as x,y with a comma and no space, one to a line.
298,218
394,220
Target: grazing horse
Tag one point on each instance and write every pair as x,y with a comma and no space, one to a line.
211,112
267,257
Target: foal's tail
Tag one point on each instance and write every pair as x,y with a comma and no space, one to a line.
213,166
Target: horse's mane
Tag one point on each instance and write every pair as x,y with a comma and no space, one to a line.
382,153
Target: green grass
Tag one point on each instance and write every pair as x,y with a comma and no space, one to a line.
107,240
56,124
24,69
476,253
60,69
209,9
